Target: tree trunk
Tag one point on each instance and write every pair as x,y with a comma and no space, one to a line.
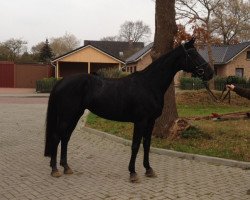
210,54
165,30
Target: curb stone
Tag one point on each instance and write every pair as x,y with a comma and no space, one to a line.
171,153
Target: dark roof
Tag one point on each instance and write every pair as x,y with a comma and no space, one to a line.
112,48
80,48
139,54
222,54
115,47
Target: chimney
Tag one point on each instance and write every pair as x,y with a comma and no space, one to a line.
130,42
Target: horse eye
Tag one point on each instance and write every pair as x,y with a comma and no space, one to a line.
200,71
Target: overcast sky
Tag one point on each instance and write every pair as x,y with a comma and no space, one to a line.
36,20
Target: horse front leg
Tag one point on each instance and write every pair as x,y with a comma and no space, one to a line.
137,136
146,145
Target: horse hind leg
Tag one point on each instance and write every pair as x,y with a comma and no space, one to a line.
53,163
66,131
63,161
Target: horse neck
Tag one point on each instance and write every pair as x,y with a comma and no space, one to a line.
161,72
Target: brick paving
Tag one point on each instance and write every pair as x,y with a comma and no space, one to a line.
100,167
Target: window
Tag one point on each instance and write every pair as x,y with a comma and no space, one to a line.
239,72
248,55
215,70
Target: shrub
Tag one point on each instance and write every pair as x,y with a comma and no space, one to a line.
113,72
45,85
194,133
187,83
220,82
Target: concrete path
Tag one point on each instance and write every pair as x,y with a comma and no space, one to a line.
100,166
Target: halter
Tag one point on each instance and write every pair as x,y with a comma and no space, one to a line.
198,68
200,72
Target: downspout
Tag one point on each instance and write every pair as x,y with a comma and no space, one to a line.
54,67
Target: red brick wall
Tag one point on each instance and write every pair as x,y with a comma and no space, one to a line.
6,74
27,74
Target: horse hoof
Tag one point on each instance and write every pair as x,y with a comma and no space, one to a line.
68,171
134,178
150,173
56,174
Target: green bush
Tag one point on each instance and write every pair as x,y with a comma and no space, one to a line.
45,85
191,83
113,72
194,133
220,82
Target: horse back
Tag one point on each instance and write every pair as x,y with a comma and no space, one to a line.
124,99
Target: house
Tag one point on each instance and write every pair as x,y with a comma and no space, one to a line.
140,60
19,75
95,55
229,60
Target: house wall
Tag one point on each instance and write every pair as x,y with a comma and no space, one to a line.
239,61
144,62
86,60
88,54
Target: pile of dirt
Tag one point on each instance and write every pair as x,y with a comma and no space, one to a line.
178,127
194,97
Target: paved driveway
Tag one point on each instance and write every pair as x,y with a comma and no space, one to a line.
100,166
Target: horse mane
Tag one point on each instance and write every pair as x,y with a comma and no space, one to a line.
161,60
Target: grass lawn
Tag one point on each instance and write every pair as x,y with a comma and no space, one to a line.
226,139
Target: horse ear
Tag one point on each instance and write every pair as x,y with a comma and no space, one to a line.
192,41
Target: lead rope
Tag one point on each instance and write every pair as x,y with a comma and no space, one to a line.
221,99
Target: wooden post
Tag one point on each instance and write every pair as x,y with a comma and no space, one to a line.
88,67
57,69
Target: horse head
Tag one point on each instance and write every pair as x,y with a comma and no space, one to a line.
193,62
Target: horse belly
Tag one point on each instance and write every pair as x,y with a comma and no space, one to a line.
111,110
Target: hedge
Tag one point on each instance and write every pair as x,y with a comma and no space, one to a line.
45,85
187,83
112,72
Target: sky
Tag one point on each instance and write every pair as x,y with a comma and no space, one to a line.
36,20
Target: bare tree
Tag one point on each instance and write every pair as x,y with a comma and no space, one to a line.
110,38
165,30
134,31
200,12
64,44
13,48
231,21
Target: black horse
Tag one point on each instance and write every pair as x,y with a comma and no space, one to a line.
137,98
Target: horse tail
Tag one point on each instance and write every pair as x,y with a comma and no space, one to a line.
51,123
